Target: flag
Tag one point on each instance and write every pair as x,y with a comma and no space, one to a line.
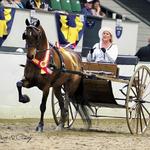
69,29
6,20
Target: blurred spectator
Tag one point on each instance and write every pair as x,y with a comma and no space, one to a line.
19,3
37,4
144,52
96,10
88,4
9,3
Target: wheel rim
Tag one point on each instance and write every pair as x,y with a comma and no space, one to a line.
72,113
138,101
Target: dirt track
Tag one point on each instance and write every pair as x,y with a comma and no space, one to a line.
104,135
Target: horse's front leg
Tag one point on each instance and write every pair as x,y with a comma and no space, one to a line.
20,84
42,109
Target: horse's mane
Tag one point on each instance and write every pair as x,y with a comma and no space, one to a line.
43,35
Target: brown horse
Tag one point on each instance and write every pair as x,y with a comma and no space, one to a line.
45,67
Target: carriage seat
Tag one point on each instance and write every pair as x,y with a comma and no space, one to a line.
129,60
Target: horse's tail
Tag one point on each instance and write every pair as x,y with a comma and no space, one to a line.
85,112
83,106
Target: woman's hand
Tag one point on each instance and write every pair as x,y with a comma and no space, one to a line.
92,50
103,49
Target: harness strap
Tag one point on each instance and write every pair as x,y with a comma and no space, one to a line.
59,55
62,65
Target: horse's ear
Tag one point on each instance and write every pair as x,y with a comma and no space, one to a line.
27,22
37,23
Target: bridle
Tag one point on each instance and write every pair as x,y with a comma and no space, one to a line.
37,32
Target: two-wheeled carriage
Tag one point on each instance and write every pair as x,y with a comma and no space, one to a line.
47,66
96,90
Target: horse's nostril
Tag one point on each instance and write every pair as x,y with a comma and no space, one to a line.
30,56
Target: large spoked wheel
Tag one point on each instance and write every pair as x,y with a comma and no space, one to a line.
57,112
138,101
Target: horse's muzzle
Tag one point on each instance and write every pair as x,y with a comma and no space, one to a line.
31,52
30,57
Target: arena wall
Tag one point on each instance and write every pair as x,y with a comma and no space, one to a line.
11,72
127,42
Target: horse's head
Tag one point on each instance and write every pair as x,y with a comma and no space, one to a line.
33,36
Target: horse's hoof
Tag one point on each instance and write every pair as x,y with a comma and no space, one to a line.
59,127
39,129
24,99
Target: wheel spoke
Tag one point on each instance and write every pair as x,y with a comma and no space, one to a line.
57,112
143,116
138,80
133,99
141,80
137,123
133,89
146,109
134,92
141,125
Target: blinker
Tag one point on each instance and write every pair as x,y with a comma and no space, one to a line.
23,36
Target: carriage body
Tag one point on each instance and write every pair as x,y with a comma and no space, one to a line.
96,90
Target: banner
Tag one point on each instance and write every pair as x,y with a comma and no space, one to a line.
69,29
6,20
92,27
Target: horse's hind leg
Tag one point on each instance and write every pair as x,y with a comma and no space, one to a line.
20,84
62,105
42,109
